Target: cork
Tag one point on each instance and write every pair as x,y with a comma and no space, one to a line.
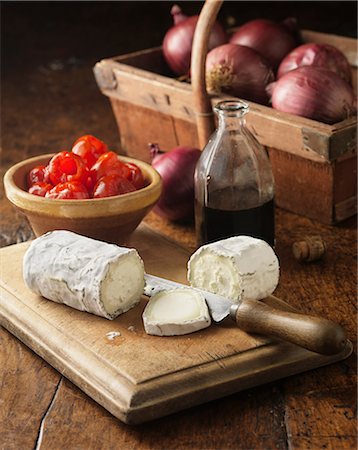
311,248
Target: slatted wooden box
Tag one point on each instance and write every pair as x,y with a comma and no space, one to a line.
314,164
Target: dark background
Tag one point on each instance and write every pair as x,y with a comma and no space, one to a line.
49,95
36,32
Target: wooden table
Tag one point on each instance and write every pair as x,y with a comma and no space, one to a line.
47,104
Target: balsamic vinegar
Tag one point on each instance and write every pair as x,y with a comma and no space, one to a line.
214,224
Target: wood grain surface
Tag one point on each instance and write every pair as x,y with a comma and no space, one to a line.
139,377
49,98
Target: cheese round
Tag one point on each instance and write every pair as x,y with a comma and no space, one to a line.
237,267
84,273
176,312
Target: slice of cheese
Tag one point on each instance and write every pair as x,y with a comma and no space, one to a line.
237,267
84,273
176,312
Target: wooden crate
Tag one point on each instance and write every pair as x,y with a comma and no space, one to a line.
314,164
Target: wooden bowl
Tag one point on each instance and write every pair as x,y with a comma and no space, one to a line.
110,219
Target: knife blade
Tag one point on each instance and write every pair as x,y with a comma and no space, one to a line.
218,305
254,316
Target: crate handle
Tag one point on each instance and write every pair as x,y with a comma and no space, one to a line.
202,104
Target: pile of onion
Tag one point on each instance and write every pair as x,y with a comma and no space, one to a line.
240,71
315,93
313,80
178,40
272,40
176,168
317,55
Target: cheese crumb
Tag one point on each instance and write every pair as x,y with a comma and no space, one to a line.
112,335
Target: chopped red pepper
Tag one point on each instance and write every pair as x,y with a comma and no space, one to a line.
89,148
112,184
135,175
40,188
107,163
88,171
68,190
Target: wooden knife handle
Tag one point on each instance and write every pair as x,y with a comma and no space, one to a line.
313,333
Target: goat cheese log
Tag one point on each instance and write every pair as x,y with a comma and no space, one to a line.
84,273
237,267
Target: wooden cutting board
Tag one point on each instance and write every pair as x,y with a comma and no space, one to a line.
135,376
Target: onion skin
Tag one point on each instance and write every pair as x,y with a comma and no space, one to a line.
176,168
240,71
178,41
177,14
318,55
314,93
272,40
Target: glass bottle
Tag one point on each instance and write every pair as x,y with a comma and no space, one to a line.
234,186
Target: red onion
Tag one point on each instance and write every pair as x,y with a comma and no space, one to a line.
178,41
240,71
318,55
315,93
272,40
177,169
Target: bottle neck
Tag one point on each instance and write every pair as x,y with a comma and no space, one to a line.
231,115
230,123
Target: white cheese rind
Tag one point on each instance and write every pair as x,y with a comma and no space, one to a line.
237,267
176,312
84,273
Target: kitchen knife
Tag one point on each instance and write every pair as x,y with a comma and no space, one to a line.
313,333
